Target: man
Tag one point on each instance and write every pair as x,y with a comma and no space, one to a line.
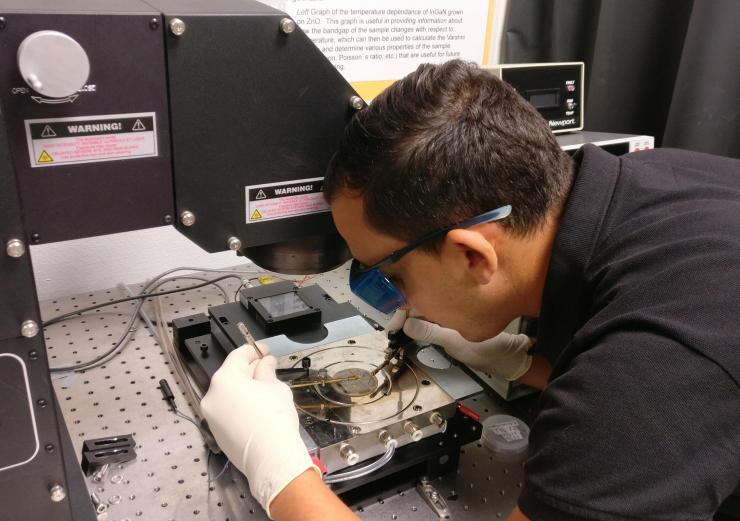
632,265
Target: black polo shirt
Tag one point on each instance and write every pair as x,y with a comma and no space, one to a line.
641,321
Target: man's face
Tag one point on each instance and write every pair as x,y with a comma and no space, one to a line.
437,286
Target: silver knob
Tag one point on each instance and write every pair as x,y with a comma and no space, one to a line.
15,248
438,420
287,25
413,431
53,63
187,218
385,437
57,493
348,453
570,105
29,329
177,27
357,103
234,243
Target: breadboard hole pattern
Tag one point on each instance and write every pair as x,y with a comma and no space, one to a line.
169,478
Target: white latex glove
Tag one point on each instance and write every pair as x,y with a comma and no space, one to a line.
252,416
504,354
397,320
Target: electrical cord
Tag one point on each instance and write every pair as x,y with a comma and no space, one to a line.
169,397
243,284
99,359
193,421
144,294
141,297
208,467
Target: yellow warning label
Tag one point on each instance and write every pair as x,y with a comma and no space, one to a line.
45,158
256,215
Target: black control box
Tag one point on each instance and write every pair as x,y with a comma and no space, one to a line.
555,90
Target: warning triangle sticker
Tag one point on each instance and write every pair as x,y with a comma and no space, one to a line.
256,215
45,158
48,132
261,195
138,125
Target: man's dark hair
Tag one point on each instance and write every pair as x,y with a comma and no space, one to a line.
444,144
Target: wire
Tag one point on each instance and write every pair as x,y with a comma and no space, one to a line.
143,294
99,359
305,279
208,464
243,284
192,420
169,397
138,308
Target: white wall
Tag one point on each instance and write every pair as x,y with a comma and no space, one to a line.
81,265
102,262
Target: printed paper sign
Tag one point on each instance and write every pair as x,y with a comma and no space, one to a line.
283,200
374,43
91,139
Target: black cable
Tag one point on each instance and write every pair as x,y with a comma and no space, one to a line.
101,359
169,397
243,284
140,296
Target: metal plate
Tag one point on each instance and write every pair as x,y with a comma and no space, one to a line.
127,75
168,480
224,95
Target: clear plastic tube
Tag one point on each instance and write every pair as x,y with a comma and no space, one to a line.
367,469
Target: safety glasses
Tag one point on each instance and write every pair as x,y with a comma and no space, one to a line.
369,283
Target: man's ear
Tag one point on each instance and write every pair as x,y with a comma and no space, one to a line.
471,250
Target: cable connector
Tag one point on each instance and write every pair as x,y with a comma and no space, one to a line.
167,393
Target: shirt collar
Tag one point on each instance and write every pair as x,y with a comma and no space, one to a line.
566,299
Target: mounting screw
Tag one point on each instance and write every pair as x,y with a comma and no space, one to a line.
41,402
100,507
234,243
29,329
3,23
33,354
187,218
35,238
177,27
49,447
357,103
287,25
167,218
57,493
154,24
99,475
15,248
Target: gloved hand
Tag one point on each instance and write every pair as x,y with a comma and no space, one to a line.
252,416
397,320
504,354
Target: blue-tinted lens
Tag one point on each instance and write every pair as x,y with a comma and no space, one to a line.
375,289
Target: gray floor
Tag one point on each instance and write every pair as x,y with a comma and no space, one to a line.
169,479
